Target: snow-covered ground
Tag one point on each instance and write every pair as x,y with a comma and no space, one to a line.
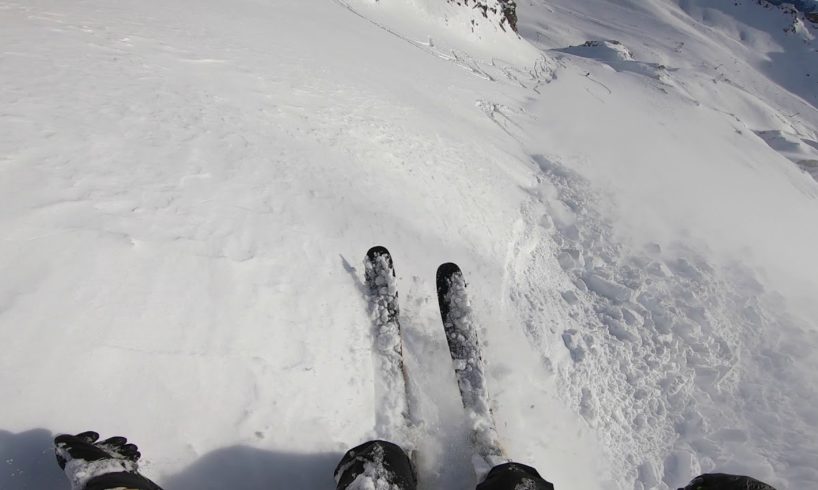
187,190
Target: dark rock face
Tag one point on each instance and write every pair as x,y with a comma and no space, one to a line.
802,5
505,10
808,7
510,13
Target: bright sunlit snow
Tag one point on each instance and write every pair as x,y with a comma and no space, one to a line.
188,189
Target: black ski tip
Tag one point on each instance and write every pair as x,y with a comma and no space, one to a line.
376,251
445,273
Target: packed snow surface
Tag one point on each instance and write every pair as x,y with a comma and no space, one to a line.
188,188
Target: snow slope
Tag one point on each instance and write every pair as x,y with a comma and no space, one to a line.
187,190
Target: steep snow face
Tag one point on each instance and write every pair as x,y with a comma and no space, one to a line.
187,191
679,334
733,59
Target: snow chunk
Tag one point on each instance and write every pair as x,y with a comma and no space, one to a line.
608,289
570,297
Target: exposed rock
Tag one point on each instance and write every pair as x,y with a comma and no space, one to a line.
504,10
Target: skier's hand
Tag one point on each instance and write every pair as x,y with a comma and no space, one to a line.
723,481
91,464
85,447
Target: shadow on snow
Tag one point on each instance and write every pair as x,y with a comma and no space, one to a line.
27,463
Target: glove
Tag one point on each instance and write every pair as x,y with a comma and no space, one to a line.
90,464
723,481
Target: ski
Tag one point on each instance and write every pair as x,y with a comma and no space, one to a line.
393,418
467,360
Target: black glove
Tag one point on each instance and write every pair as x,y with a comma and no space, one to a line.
723,481
90,464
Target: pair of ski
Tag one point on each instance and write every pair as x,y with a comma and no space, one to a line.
464,348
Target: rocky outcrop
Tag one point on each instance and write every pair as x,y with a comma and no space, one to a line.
807,8
503,11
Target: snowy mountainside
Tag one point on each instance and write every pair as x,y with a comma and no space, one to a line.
187,190
745,52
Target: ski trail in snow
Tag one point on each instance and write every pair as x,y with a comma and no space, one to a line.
675,362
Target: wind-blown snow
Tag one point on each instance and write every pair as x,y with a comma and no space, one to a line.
187,190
